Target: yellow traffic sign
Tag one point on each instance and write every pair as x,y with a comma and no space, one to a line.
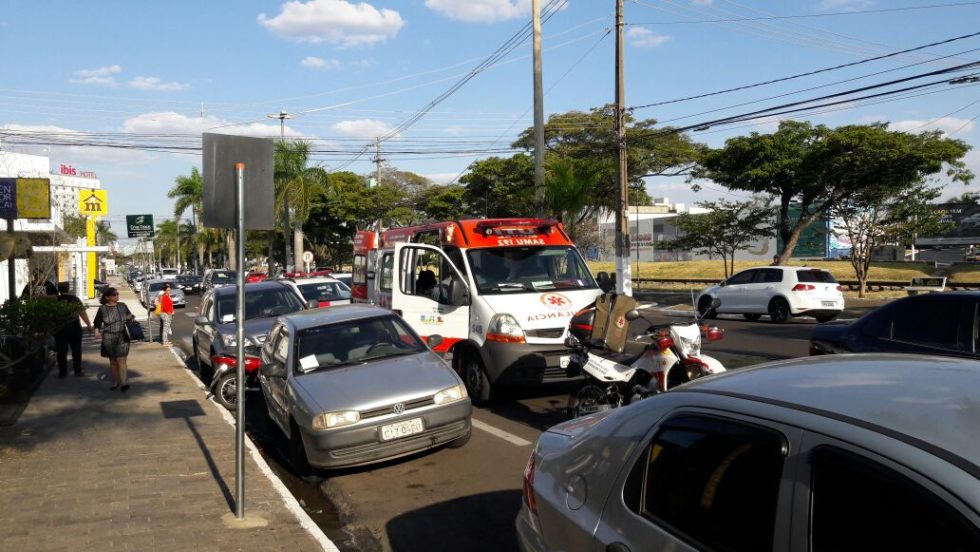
93,202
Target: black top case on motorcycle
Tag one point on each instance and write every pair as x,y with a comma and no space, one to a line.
611,328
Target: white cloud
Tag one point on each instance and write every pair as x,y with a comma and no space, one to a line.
155,83
670,187
334,21
945,124
845,5
361,128
169,122
441,178
645,38
314,62
481,11
102,76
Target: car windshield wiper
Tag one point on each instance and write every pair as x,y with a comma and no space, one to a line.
502,286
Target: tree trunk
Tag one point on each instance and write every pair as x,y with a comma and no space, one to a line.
285,235
231,258
298,246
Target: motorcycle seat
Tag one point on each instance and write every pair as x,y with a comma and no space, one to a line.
624,358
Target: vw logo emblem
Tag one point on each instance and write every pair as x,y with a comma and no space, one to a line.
399,408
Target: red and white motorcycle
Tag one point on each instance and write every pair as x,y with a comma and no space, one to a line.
661,358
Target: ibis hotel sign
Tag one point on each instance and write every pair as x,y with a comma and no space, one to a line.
25,198
139,226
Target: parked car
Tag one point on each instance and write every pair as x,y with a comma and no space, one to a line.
782,292
217,277
214,327
325,290
152,288
169,273
252,277
933,323
190,283
353,385
138,283
829,453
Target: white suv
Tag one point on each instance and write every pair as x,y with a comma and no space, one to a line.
779,291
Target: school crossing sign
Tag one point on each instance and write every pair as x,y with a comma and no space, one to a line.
139,226
93,203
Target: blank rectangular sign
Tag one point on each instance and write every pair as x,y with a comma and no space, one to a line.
221,153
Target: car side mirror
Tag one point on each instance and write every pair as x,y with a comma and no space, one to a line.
723,283
632,315
459,293
274,371
312,304
433,341
202,320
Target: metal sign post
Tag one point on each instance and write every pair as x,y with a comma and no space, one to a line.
240,340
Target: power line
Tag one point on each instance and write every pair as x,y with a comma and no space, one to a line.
808,73
808,15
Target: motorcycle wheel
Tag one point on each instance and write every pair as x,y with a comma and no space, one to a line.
226,391
589,399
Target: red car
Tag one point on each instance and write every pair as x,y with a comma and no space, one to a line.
253,277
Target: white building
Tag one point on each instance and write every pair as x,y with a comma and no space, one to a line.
66,185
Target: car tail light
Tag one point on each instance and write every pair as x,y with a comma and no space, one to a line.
251,363
532,503
840,288
324,303
664,342
804,287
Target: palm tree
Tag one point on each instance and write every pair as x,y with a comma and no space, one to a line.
298,187
167,240
103,234
189,193
569,190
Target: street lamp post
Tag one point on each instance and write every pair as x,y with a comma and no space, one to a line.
282,116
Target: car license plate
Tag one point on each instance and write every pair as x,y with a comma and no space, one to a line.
401,429
563,361
829,303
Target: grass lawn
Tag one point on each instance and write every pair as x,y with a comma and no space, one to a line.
842,270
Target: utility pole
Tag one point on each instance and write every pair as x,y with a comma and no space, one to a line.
377,169
538,109
282,116
624,285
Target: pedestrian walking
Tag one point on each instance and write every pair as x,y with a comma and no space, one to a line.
110,325
69,335
165,304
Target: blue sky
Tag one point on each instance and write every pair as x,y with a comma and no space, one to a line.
353,70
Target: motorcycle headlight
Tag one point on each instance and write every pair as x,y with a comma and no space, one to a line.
504,328
336,419
450,394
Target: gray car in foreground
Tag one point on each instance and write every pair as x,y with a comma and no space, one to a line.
849,452
353,384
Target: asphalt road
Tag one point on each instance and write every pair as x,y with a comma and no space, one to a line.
467,498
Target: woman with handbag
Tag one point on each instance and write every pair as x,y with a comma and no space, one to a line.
110,325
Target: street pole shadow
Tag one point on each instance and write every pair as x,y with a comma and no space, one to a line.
188,409
481,522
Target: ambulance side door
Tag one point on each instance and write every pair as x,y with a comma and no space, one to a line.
424,276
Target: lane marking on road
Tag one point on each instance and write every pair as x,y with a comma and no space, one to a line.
190,314
289,501
509,437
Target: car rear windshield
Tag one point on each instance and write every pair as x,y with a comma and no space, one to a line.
223,275
324,291
260,304
815,276
355,342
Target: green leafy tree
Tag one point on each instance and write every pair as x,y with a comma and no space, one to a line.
570,188
728,227
188,191
104,234
818,168
74,226
298,187
878,216
591,138
443,202
500,186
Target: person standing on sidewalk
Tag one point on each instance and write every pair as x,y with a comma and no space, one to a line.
69,335
166,305
111,320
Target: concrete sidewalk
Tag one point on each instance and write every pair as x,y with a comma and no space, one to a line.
86,468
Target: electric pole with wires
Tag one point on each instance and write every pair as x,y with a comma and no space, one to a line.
282,116
624,285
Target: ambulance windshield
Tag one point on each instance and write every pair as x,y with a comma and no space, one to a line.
528,269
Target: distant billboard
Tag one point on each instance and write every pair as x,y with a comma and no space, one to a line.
964,222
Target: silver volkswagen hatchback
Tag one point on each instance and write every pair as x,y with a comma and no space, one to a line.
353,384
851,452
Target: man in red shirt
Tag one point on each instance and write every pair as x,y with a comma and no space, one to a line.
166,303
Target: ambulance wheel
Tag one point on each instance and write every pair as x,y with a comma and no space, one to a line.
477,382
